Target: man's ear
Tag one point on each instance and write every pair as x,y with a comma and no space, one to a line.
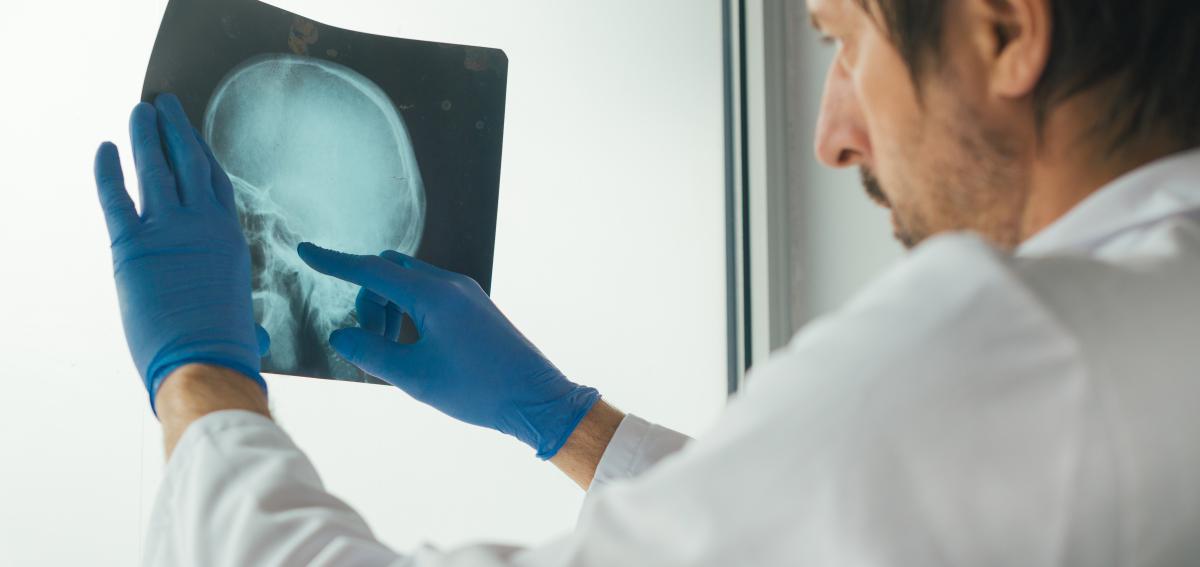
1018,34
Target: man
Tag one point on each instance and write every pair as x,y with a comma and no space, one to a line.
1020,390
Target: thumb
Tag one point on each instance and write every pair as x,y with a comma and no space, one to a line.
374,354
264,340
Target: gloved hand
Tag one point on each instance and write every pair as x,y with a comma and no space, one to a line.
470,362
182,267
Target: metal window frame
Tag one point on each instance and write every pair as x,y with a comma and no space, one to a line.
758,259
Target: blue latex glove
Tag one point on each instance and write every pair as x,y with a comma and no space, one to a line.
182,267
470,362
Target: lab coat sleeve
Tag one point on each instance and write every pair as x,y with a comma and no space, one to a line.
961,439
237,491
236,478
636,446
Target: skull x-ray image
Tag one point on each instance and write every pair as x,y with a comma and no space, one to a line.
266,122
354,141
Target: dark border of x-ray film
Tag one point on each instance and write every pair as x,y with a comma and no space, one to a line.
451,97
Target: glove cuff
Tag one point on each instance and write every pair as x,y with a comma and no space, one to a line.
579,402
162,374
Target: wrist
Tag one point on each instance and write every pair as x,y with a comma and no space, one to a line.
581,453
191,368
193,391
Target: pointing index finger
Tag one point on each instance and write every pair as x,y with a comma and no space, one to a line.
372,272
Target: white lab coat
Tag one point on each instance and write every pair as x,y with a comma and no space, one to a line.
968,408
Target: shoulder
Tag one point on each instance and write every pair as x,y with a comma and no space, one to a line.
950,305
944,395
951,328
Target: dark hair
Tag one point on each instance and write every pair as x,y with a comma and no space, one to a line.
1149,49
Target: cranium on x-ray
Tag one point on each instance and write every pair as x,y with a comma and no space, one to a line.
318,152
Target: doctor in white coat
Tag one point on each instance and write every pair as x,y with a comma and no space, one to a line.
1022,389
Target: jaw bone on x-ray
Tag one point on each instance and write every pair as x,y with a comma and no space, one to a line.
313,144
354,141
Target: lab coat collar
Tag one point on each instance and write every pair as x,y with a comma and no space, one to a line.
1164,188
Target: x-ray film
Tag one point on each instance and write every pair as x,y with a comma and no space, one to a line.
357,142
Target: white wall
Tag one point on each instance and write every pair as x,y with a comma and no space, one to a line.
609,256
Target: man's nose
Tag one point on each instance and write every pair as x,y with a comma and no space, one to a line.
841,138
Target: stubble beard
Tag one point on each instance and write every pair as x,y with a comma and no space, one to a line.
979,187
874,190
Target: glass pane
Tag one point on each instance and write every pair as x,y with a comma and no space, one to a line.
609,256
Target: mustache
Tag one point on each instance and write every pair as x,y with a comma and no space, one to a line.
871,185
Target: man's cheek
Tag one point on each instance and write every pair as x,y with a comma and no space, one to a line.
885,85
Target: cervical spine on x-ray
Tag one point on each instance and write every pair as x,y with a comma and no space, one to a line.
318,152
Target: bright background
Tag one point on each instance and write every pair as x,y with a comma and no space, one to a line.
610,256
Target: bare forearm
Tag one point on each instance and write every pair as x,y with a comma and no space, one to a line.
581,454
196,390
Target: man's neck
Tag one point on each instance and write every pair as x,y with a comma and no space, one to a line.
1069,167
